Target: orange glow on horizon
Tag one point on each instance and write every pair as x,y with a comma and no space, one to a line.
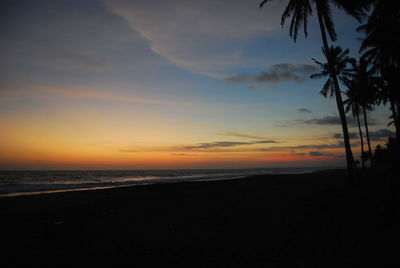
98,159
86,142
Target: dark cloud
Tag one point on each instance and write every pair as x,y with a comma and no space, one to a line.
265,141
278,73
304,110
220,147
317,153
233,147
214,145
380,134
335,120
306,147
325,120
319,146
220,144
353,135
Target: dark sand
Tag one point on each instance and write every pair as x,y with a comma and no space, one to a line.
310,220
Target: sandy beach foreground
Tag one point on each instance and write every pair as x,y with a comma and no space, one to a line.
310,220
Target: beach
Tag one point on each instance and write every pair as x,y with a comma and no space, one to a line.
301,220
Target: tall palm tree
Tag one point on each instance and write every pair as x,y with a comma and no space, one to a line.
300,10
334,68
364,88
353,104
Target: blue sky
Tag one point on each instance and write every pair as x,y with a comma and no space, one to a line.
154,77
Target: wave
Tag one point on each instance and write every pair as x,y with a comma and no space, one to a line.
16,183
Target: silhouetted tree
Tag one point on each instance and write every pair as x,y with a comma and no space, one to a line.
363,89
383,155
334,69
381,50
353,104
300,10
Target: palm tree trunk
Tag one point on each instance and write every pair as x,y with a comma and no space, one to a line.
339,103
368,140
346,136
396,121
361,139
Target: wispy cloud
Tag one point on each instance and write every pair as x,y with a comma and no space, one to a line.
86,93
205,37
95,94
241,135
237,147
278,73
304,110
220,144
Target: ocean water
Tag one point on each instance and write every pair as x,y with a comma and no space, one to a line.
15,183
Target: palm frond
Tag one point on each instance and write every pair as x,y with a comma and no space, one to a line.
328,88
318,62
263,3
325,10
356,9
288,12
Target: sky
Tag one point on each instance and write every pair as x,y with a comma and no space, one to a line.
118,84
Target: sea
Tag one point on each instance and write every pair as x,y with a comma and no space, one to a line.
16,183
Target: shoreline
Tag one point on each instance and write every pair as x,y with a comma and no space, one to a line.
149,182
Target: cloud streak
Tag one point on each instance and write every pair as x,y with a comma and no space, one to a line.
352,135
220,144
241,135
239,147
282,72
86,93
318,153
304,110
307,147
334,120
378,135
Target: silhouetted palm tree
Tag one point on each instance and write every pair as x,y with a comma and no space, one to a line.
381,49
300,10
353,104
363,89
334,69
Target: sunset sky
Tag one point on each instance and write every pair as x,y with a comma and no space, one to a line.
139,84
